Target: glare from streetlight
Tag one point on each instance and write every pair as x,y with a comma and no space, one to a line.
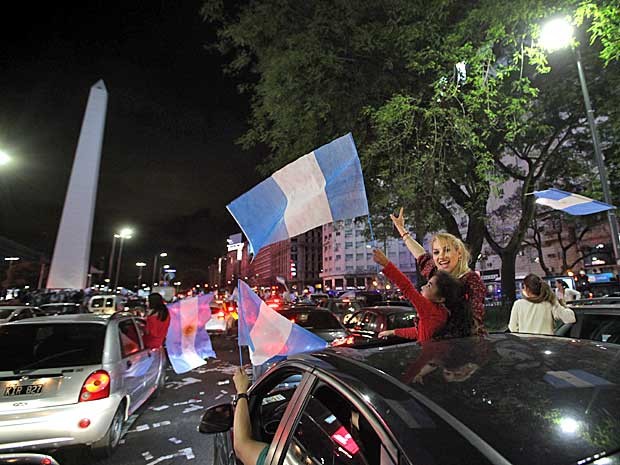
11,259
140,264
163,254
556,34
4,158
126,233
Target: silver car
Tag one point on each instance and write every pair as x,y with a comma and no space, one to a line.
16,312
73,379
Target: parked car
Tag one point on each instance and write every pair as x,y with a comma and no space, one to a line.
503,399
341,308
16,312
597,320
20,458
63,308
224,318
317,320
393,303
370,321
276,303
106,304
73,379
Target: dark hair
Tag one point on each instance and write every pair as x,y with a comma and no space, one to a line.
451,289
158,306
538,289
563,283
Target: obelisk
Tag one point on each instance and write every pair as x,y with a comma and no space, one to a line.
70,262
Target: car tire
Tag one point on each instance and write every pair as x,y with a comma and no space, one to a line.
106,446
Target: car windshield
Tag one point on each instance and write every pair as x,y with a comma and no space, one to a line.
62,309
50,345
5,313
401,320
314,320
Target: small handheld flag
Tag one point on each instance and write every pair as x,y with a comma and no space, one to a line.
323,186
573,204
269,335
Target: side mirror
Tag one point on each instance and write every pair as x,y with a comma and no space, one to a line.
217,419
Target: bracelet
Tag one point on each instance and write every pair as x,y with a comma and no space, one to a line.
405,234
240,396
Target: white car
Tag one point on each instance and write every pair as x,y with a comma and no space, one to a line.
73,379
223,318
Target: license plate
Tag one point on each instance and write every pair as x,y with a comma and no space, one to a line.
23,390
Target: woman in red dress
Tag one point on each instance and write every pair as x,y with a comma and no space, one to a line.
157,322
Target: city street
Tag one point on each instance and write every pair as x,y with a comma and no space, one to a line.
164,431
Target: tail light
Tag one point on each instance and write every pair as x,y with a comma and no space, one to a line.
220,314
96,386
344,341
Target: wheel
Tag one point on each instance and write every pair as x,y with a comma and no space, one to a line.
106,446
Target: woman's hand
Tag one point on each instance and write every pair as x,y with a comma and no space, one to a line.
241,380
399,221
379,257
389,332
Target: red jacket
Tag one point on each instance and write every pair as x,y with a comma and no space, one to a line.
432,316
156,331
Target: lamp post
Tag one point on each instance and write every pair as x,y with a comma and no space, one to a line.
111,260
141,266
124,234
155,274
556,34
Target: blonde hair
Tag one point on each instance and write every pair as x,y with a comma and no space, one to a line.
462,267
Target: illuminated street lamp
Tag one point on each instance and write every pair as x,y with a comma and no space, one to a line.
140,266
557,34
155,274
4,158
126,233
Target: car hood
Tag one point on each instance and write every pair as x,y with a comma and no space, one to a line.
530,398
330,334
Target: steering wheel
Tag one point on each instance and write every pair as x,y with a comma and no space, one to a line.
270,425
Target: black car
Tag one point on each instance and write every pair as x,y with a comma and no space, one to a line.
317,320
502,399
63,308
597,320
370,321
341,308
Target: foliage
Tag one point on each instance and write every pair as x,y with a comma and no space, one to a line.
604,26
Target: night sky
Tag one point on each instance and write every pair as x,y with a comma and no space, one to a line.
169,162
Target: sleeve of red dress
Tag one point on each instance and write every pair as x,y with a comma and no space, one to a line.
409,333
475,290
426,265
408,289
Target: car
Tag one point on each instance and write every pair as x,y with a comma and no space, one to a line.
19,458
107,304
224,318
319,321
393,303
276,303
62,308
368,322
502,399
16,312
342,307
597,320
74,380
135,306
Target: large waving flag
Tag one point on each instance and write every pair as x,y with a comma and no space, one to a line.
269,335
187,342
572,204
323,186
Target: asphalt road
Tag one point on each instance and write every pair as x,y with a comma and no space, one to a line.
164,430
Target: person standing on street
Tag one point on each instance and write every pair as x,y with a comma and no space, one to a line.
564,293
157,322
538,310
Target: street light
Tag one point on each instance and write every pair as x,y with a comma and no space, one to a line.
556,34
126,233
163,254
111,260
4,158
141,266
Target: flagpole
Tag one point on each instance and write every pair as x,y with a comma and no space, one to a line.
240,358
372,234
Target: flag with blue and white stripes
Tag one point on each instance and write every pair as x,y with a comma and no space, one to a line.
573,204
323,186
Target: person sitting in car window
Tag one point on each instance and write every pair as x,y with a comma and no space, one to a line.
247,449
440,301
157,322
536,312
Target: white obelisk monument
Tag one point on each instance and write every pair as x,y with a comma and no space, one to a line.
69,268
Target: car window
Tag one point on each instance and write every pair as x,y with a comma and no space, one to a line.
314,320
5,313
603,328
109,302
330,430
130,342
369,322
50,345
401,320
96,302
141,325
354,319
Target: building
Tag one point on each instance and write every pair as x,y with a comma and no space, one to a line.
347,257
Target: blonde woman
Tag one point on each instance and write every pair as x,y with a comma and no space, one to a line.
451,255
538,310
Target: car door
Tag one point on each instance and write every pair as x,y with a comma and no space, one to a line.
154,355
135,363
602,327
331,428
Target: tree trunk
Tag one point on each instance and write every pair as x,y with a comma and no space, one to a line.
508,276
475,238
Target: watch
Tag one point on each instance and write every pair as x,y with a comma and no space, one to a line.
242,395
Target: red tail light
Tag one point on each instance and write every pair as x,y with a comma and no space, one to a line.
220,314
46,461
96,386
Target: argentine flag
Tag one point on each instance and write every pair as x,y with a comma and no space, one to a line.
187,341
323,186
572,204
269,335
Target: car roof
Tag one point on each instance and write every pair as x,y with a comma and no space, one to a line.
59,304
389,309
15,307
78,318
510,393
